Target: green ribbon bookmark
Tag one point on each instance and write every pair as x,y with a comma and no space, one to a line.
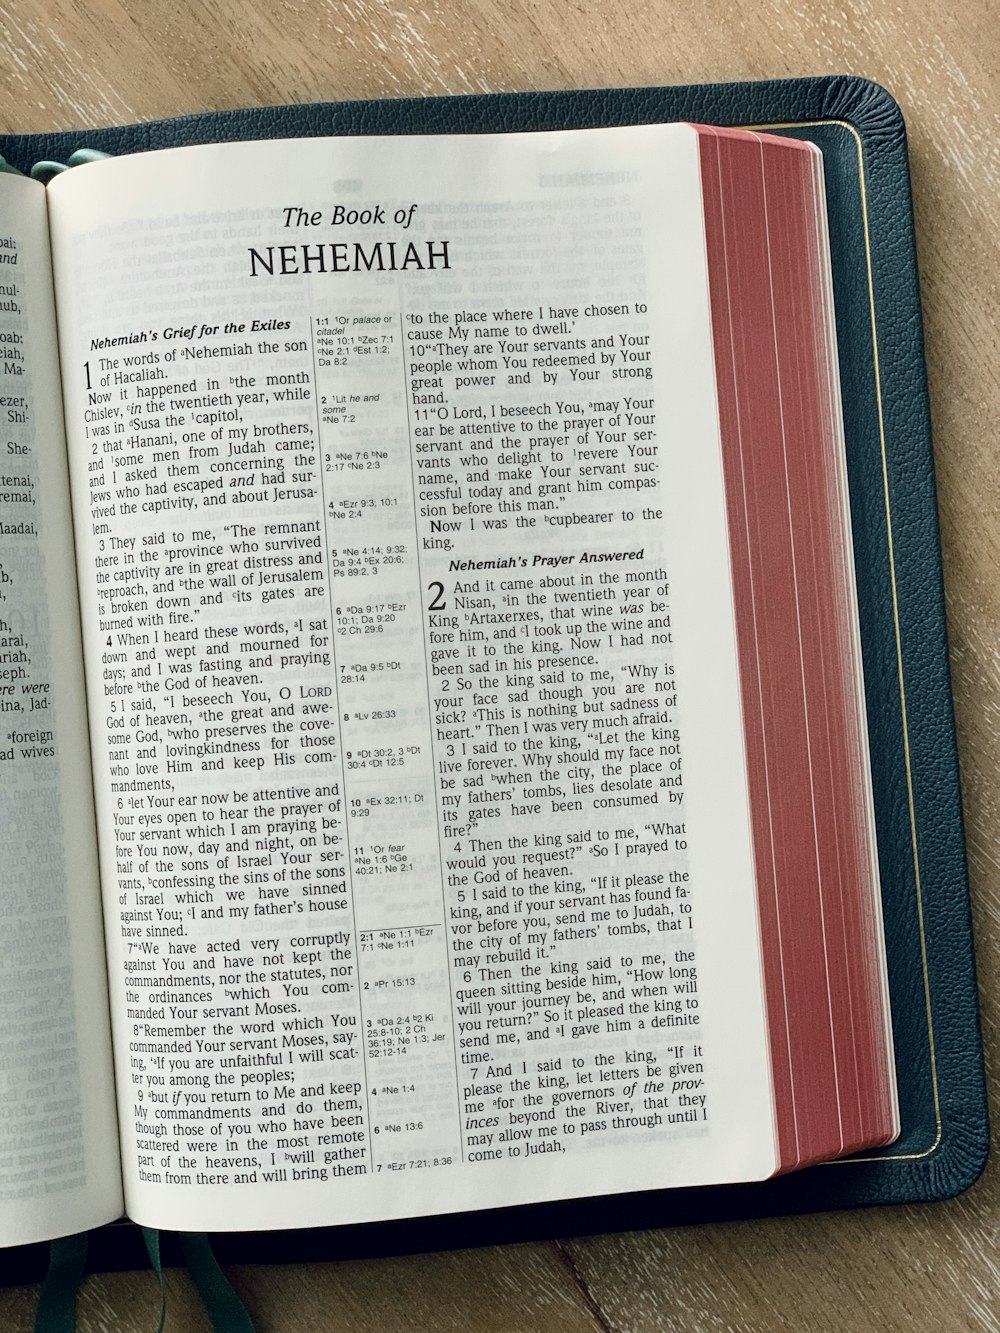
44,171
56,1311
225,1309
152,1240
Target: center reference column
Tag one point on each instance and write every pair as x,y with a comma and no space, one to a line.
384,723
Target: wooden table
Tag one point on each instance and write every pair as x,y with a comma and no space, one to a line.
69,63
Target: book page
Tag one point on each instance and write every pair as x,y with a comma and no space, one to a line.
59,1169
409,625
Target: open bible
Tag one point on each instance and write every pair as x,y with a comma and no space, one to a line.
434,749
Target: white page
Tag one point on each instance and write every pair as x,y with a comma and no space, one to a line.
293,504
59,1169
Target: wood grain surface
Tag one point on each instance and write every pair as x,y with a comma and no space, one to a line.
67,64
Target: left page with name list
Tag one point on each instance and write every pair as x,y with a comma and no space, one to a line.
59,1162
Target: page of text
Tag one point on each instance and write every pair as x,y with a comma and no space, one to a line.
59,1170
413,682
